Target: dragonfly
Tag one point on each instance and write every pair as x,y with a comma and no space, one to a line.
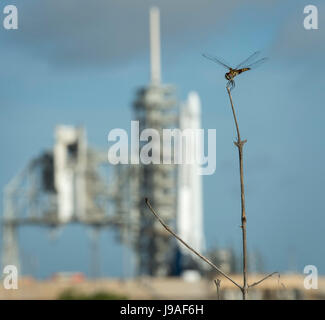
246,65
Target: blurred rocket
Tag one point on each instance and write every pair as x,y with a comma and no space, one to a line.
189,211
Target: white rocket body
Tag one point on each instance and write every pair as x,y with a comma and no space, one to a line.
189,211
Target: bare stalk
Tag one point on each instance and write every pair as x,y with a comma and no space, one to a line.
188,246
260,281
240,144
217,283
244,288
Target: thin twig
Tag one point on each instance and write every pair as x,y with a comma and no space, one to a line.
239,144
217,283
234,114
188,246
258,282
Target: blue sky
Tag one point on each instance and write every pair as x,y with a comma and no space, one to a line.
80,62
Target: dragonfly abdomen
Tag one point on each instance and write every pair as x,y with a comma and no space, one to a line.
235,72
239,71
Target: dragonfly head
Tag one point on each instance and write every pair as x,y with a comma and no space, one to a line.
227,76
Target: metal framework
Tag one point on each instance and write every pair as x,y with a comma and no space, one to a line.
32,198
66,185
155,107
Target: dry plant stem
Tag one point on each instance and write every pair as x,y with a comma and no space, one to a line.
258,282
239,144
188,246
217,283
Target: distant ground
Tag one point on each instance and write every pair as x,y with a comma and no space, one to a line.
285,287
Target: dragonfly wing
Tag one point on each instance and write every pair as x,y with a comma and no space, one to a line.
217,60
257,63
249,60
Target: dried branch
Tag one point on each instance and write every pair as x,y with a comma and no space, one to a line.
235,118
217,283
239,144
188,246
260,281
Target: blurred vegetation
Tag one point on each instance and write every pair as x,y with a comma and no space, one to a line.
71,294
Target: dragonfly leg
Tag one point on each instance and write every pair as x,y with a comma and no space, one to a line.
231,84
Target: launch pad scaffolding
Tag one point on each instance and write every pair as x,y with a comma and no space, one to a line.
68,185
155,107
51,195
